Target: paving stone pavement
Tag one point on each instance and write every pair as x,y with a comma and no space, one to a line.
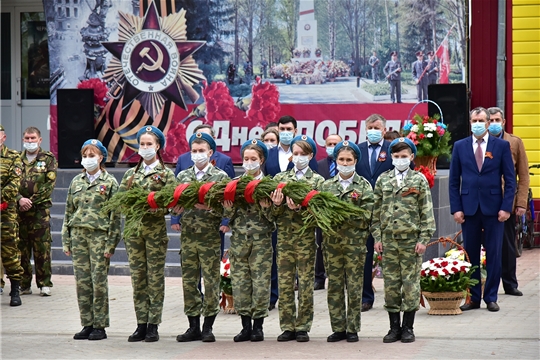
43,328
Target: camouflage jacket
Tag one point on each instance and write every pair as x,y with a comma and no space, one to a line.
195,220
360,193
286,219
10,178
83,206
404,212
39,178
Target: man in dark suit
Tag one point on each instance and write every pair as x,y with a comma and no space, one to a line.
392,70
327,169
478,201
420,76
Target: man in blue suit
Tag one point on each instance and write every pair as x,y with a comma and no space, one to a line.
478,202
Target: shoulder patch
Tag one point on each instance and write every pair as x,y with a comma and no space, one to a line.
51,175
18,171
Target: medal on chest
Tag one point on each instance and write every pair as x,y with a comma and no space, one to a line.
41,165
102,189
382,156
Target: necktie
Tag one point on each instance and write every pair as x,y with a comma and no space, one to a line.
478,154
332,168
373,161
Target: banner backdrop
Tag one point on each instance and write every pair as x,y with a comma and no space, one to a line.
239,65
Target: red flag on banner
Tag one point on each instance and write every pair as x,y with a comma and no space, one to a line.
442,54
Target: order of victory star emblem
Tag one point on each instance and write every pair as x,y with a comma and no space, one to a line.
152,61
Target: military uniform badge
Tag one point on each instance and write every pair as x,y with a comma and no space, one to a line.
18,171
355,195
102,189
40,166
382,156
156,178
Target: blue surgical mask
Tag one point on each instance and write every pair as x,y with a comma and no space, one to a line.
285,137
495,128
330,151
478,128
374,136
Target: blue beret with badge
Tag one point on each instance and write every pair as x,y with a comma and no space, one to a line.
306,139
203,136
258,143
97,144
350,145
154,130
403,140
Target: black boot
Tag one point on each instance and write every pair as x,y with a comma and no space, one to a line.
139,333
97,334
395,329
245,334
194,331
84,333
151,333
207,335
407,334
257,332
15,297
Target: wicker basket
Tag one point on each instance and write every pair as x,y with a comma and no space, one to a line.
444,303
227,303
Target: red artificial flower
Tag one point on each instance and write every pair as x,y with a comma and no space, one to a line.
218,100
435,121
423,273
227,266
379,257
100,89
224,260
264,107
176,143
454,263
421,136
454,270
444,263
446,272
463,269
414,122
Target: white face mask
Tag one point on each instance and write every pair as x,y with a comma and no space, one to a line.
300,161
199,159
148,153
346,170
90,163
251,167
401,164
270,145
29,146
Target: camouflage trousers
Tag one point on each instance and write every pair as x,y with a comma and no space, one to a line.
401,267
296,254
38,241
146,256
91,269
251,265
200,252
10,253
344,264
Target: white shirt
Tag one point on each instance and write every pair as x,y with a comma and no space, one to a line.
300,173
400,175
483,145
148,168
200,173
378,150
346,182
283,157
91,178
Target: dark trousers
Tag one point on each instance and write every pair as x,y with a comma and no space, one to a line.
320,276
375,73
368,296
395,92
421,89
274,291
508,272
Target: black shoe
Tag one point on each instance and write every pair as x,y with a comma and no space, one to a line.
394,334
469,306
287,336
139,333
407,334
194,331
514,292
257,333
352,337
15,297
302,336
97,334
272,306
400,102
84,333
245,333
151,333
492,306
206,334
366,307
318,286
337,336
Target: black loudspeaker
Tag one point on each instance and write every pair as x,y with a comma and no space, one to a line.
75,124
452,99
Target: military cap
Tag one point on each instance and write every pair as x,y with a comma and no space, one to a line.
430,53
97,144
406,141
349,144
308,140
154,130
419,53
393,53
203,136
259,143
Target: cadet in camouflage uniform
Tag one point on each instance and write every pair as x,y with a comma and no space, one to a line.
10,178
251,250
402,226
90,238
201,244
295,253
147,251
345,253
34,200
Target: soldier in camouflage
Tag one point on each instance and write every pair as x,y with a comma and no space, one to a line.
34,200
345,253
295,253
402,226
90,237
201,244
10,179
147,251
251,250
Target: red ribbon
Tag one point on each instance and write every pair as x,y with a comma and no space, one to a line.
250,189
150,200
203,190
3,206
310,194
177,193
281,185
230,191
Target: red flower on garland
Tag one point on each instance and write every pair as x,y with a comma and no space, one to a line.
176,142
218,100
427,173
264,107
100,90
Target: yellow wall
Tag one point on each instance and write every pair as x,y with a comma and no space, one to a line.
526,80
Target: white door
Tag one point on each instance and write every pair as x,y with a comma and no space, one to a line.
25,80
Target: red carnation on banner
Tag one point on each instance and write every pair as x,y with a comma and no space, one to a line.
427,173
264,107
100,90
176,142
218,100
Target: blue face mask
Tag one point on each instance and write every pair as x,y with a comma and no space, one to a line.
330,151
374,136
478,128
285,137
495,128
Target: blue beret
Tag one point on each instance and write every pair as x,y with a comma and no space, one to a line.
97,144
203,136
308,140
406,141
154,130
259,143
348,144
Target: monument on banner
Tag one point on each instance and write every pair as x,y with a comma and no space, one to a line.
306,42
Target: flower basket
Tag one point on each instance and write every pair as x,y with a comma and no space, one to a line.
428,161
227,304
227,300
444,303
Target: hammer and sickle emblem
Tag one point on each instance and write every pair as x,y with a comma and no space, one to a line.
156,64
